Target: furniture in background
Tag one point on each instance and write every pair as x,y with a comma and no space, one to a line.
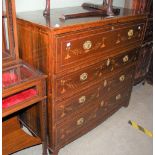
90,63
139,5
146,49
149,76
22,87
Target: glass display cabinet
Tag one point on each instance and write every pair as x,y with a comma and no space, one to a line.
23,88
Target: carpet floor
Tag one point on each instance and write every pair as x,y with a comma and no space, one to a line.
115,136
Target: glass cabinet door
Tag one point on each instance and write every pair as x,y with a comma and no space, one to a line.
9,32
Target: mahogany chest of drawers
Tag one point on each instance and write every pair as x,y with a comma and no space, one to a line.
90,64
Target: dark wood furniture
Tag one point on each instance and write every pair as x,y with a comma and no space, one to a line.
90,64
22,88
149,76
146,49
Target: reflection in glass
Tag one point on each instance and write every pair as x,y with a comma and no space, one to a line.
5,41
8,41
15,75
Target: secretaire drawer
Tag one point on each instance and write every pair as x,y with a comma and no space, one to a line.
70,84
73,48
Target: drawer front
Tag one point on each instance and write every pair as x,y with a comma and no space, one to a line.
71,83
121,96
87,98
70,129
73,48
84,100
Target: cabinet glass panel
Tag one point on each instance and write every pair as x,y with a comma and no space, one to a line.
17,74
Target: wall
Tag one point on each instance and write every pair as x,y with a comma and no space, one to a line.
28,5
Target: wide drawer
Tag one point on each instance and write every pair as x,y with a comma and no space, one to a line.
75,126
85,99
71,83
75,48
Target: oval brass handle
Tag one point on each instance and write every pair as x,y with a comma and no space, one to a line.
80,121
126,58
130,33
87,45
118,97
122,78
82,99
83,76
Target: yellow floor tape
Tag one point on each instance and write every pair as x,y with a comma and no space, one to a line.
135,125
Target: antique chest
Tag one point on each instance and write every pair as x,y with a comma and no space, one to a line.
90,63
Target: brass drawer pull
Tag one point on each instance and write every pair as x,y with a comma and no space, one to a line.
83,76
126,58
118,97
122,78
80,121
82,99
87,45
130,33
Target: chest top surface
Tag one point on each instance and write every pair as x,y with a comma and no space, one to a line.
54,22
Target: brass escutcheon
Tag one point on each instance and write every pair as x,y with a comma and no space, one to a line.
126,58
102,103
80,121
83,76
118,97
130,33
68,44
105,83
82,99
87,45
108,62
139,27
122,78
112,27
